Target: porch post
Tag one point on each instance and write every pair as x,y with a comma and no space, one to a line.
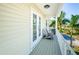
56,23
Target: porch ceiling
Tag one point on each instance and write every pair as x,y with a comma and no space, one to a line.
52,10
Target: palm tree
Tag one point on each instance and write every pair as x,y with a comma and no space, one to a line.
65,21
52,23
65,25
76,27
60,18
73,22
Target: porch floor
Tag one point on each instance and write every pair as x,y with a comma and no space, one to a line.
47,47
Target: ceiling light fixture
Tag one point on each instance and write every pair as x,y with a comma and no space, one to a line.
46,6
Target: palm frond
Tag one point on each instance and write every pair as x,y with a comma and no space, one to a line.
52,23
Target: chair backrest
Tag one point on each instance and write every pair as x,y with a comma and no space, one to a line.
45,32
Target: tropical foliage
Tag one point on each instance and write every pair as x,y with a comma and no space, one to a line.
52,23
60,18
73,23
70,23
65,21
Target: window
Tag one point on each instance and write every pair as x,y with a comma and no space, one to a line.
34,27
39,26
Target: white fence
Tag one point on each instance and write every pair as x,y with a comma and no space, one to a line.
64,47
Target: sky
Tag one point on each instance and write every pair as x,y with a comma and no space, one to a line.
71,9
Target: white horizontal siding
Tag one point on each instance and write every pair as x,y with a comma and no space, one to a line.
14,28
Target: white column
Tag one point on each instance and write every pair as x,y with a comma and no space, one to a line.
56,23
47,24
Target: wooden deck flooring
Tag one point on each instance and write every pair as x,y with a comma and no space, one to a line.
47,47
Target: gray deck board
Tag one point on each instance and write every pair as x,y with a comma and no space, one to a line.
47,47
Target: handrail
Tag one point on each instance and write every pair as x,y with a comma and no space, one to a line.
64,47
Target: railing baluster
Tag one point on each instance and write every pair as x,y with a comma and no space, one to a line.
64,47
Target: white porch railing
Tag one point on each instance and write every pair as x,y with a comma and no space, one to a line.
64,47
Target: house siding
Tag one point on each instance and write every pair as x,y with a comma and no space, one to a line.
15,28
